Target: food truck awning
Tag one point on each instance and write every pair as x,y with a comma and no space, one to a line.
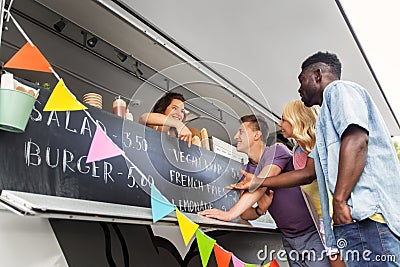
251,49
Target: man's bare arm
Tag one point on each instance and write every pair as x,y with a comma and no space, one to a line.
287,179
352,159
245,202
243,207
250,213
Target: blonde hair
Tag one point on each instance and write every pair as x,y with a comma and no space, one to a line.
303,120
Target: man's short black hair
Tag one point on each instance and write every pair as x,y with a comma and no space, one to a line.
330,59
258,123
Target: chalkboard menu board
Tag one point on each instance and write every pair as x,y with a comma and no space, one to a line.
50,158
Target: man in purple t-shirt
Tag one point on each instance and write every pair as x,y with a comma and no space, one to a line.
286,205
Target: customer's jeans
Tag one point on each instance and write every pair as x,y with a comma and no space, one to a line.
367,243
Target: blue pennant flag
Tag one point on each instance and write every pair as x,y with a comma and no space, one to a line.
160,206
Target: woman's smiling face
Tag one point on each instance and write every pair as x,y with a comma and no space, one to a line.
175,109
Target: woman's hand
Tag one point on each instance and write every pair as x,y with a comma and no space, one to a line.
184,134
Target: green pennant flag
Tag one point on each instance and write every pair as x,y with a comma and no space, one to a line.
205,245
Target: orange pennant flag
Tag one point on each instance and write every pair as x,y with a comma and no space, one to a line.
222,256
29,58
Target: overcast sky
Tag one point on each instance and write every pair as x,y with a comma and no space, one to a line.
377,26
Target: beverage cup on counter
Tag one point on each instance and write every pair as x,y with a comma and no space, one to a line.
119,107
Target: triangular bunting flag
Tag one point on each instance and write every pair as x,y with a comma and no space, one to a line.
160,206
272,263
61,99
29,58
222,256
237,262
205,245
188,228
102,147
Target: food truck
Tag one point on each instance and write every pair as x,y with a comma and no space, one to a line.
78,185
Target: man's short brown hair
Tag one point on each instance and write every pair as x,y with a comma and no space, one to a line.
258,123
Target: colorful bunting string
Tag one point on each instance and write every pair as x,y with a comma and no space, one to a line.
161,207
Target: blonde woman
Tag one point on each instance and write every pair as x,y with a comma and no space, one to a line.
298,122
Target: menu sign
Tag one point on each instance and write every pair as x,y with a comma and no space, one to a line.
50,158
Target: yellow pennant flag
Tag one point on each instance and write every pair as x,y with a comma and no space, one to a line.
187,227
61,99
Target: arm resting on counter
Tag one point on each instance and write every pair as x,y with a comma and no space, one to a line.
158,119
287,179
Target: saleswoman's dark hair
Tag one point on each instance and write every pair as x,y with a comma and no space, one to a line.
164,101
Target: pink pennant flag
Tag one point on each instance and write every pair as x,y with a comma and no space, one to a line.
102,147
236,262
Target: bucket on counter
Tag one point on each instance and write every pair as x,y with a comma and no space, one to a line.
15,110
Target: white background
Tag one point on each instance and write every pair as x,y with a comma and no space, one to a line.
377,24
